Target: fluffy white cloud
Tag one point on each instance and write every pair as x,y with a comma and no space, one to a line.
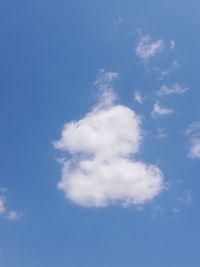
194,140
159,110
147,48
174,89
138,97
102,169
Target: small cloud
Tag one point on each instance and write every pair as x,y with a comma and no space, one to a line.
169,90
161,133
5,211
138,97
195,148
118,21
2,205
147,48
193,133
172,44
173,67
164,73
186,198
13,215
159,110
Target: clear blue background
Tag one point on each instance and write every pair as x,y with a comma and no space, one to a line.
50,54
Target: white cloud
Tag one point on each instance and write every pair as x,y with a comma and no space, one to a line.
195,148
4,210
13,215
147,48
104,80
159,110
138,97
172,44
2,205
174,89
194,140
103,84
102,169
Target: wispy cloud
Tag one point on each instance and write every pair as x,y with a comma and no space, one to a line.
13,215
2,205
169,90
118,21
193,133
103,85
195,148
161,133
172,44
147,48
159,110
138,97
172,68
185,198
105,79
102,144
7,213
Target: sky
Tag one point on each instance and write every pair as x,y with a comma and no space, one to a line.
100,133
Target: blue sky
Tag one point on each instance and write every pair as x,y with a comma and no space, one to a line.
100,133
